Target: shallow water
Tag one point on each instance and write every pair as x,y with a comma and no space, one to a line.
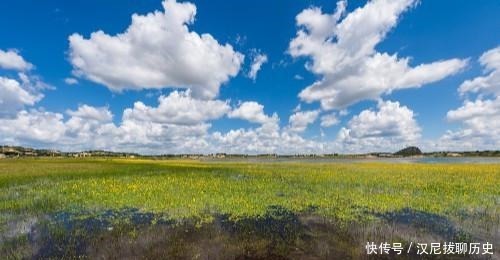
456,160
278,234
446,160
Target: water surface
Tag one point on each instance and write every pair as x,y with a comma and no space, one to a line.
446,160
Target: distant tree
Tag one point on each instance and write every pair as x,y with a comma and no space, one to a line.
409,151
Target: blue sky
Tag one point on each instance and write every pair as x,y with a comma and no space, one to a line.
373,109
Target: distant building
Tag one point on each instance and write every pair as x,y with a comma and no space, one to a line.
81,154
10,152
85,154
220,155
30,153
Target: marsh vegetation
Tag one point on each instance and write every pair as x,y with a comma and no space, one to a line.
66,208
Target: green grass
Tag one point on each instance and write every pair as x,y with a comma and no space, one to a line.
190,189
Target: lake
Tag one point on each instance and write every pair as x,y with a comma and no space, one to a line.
446,160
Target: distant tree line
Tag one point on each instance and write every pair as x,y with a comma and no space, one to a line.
19,151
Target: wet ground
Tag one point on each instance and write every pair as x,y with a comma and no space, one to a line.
278,234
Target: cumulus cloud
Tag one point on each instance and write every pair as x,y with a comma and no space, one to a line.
12,60
490,83
268,137
160,137
480,126
263,140
99,114
178,124
257,63
150,131
178,108
92,128
342,51
18,92
252,112
14,96
391,127
299,121
480,118
87,127
156,51
329,120
32,127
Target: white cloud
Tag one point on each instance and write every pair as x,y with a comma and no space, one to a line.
12,60
160,137
301,119
391,127
298,77
14,96
32,127
329,120
252,112
480,126
480,118
92,128
179,124
87,127
478,108
21,91
100,114
178,108
343,112
342,51
268,137
489,84
156,51
261,140
71,81
257,63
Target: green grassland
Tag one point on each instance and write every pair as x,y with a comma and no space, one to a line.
344,192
